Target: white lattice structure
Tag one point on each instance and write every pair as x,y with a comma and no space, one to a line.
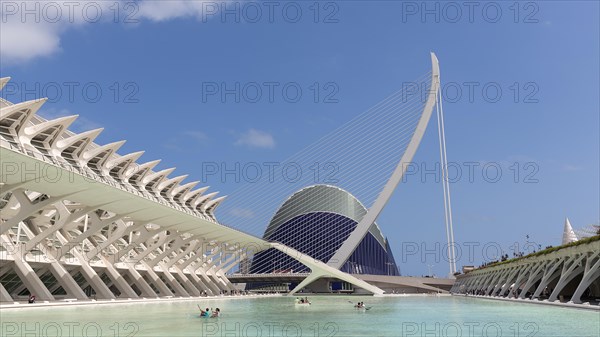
78,220
570,273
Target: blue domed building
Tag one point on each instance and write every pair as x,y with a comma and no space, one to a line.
316,221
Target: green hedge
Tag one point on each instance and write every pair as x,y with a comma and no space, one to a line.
546,251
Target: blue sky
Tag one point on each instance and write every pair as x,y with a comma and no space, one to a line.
154,72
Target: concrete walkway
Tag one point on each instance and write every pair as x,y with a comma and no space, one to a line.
67,303
585,306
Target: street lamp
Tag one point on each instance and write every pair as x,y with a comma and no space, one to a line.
388,264
429,266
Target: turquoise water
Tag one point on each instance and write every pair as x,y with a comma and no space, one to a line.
327,316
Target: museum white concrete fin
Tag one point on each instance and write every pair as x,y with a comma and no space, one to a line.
568,233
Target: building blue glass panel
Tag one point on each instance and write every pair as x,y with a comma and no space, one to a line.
319,235
371,258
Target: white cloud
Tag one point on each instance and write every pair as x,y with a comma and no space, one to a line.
167,10
572,168
81,124
32,29
256,139
29,30
242,213
186,140
196,135
21,42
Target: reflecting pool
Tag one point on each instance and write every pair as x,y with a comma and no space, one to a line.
326,316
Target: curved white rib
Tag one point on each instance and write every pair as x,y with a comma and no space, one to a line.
343,253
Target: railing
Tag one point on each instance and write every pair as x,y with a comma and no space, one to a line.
5,102
269,275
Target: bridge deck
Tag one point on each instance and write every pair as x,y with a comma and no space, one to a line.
418,284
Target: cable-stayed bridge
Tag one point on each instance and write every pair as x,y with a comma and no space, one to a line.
335,221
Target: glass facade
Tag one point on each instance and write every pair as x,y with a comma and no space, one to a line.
320,233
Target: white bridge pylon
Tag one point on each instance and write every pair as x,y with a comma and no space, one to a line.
343,253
